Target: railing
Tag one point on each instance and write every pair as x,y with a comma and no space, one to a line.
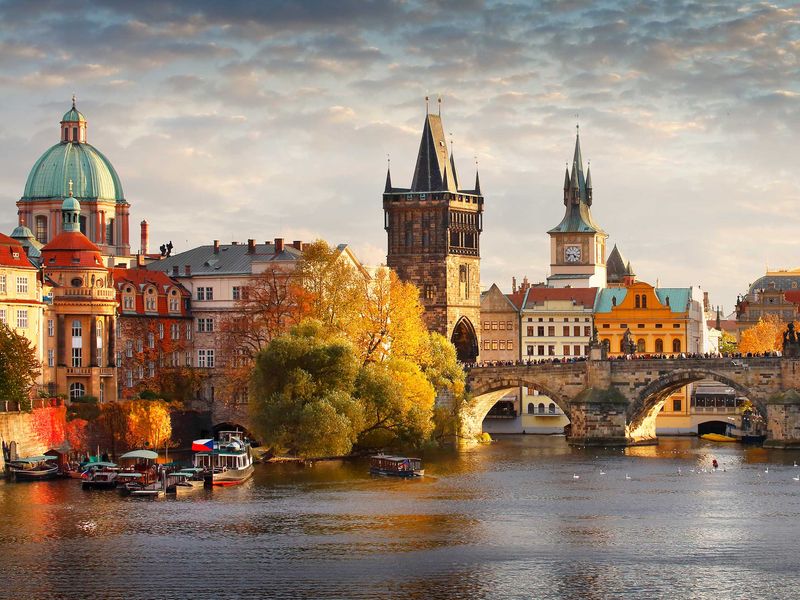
90,292
13,406
79,371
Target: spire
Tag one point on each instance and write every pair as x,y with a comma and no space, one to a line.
432,159
477,183
453,167
589,177
566,178
388,187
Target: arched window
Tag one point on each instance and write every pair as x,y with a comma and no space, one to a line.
76,390
659,345
640,346
541,408
531,408
552,408
41,229
644,301
676,345
637,302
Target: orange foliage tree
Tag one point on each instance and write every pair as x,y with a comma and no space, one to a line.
148,423
764,336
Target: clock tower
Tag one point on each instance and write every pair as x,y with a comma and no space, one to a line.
577,244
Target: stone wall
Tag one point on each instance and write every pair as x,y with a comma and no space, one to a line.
34,432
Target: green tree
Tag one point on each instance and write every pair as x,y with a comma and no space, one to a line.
301,397
19,367
727,343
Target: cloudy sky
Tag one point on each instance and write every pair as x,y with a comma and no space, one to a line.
266,119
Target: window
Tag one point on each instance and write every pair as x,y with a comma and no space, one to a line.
606,325
205,358
551,350
551,408
659,345
637,303
174,303
127,302
551,331
22,318
623,326
41,229
540,331
613,301
205,293
76,328
129,378
494,325
139,345
77,356
140,372
175,331
644,301
494,344
676,405
502,325
151,340
509,345
530,331
530,350
2,284
188,359
566,350
676,345
587,331
463,280
640,325
51,357
566,331
161,331
576,331
541,408
119,359
76,390
487,345
129,348
509,325
659,325
205,325
110,231
531,408
502,345
676,325
640,345
576,350
151,369
188,331
540,350
22,285
237,292
51,328
487,325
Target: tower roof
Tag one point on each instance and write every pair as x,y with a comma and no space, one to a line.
430,173
617,268
578,216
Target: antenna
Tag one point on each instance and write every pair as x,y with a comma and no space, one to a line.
439,100
427,99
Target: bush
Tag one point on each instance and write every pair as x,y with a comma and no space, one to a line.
148,395
85,400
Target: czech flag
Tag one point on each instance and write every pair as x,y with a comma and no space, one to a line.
203,445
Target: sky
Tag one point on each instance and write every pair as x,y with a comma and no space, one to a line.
236,120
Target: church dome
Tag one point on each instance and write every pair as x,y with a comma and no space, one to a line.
92,174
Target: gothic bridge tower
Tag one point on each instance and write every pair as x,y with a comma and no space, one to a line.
434,232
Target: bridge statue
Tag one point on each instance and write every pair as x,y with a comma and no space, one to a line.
791,342
628,345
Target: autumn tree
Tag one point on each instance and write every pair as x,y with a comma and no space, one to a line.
148,423
19,367
302,393
727,343
764,336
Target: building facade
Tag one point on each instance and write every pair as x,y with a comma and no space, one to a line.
95,184
155,335
775,294
557,322
433,231
80,330
577,243
500,323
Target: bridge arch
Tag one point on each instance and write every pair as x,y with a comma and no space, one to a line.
642,412
487,394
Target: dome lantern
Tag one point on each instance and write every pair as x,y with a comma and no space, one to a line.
73,126
71,212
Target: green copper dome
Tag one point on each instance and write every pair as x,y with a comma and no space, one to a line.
93,176
73,115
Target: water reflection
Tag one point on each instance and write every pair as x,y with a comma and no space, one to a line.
508,520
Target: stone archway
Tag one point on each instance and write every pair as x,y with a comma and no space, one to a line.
465,340
642,413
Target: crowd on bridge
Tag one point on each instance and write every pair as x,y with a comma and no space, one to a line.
578,359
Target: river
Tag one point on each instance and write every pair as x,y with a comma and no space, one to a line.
508,520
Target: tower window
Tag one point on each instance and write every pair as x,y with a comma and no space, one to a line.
41,229
463,281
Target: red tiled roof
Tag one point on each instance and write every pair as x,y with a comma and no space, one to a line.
12,254
728,325
141,277
71,249
516,298
583,296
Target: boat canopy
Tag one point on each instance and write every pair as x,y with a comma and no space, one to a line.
34,459
140,454
100,463
129,474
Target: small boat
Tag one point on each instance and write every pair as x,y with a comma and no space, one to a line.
227,461
143,478
33,468
185,481
718,437
396,466
100,476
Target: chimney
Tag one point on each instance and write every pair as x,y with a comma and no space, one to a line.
174,270
278,245
513,285
187,269
251,246
145,240
216,246
298,244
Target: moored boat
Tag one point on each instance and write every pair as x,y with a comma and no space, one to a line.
718,437
100,476
33,468
143,478
227,461
396,466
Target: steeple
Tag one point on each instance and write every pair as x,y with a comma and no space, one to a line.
73,125
589,185
71,212
432,159
477,183
577,197
388,187
453,172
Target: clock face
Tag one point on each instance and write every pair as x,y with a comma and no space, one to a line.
572,253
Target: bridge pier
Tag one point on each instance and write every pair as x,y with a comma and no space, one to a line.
598,418
783,420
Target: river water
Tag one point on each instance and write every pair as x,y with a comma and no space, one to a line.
508,520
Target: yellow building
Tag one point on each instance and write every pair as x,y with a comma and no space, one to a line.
20,292
655,321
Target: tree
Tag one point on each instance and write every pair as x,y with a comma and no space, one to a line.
727,343
301,393
764,336
19,367
148,423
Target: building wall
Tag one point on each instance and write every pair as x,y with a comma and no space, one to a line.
499,327
22,305
556,329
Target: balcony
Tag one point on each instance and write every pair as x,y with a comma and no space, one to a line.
79,371
94,293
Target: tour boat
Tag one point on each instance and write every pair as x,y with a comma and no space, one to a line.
100,476
184,481
396,466
227,461
33,468
143,478
718,437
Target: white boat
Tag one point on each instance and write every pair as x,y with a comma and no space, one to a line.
228,461
143,478
100,476
185,481
33,468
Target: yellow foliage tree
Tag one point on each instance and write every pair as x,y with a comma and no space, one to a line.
764,336
149,423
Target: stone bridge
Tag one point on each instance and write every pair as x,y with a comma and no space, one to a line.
615,402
